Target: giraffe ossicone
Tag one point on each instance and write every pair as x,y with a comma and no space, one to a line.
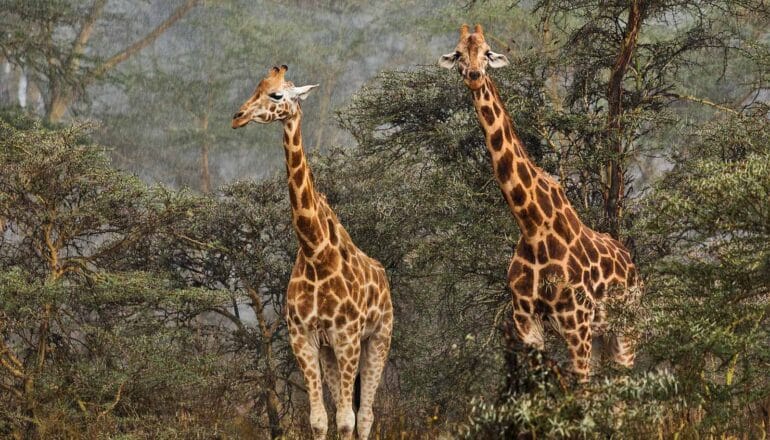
561,270
338,307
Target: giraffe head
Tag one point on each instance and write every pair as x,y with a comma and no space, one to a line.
275,99
472,56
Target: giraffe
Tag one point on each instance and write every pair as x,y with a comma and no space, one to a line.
338,308
561,269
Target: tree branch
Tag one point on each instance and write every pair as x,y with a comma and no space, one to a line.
702,101
85,34
12,390
43,337
126,53
5,350
114,402
15,372
234,319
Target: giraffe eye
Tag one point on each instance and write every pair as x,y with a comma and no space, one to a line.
275,96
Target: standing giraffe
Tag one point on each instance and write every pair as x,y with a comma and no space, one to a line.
561,269
338,308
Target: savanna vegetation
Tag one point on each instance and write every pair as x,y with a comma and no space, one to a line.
146,246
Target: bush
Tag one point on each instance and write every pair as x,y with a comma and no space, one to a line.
705,226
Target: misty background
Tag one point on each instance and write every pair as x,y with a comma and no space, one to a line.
165,111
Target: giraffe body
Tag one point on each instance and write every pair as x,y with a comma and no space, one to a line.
561,271
338,308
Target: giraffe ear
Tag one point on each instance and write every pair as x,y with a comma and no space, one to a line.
496,60
448,61
301,92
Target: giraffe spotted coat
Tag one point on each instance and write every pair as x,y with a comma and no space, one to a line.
562,271
338,307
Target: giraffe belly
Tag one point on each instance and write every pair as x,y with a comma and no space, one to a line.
347,302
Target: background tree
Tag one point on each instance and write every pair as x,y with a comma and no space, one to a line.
84,346
65,46
242,243
621,69
191,83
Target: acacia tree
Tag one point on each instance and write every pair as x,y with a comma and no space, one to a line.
621,70
65,47
85,345
241,242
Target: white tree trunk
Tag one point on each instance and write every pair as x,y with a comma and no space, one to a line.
22,92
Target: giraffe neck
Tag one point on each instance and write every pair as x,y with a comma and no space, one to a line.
515,172
305,202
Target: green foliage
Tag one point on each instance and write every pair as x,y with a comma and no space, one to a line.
70,209
118,348
241,242
86,346
706,226
622,407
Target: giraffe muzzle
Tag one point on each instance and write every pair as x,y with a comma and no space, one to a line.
239,121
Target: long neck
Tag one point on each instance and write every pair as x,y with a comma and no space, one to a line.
305,203
524,186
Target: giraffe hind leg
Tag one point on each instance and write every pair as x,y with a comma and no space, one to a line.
620,347
347,353
578,338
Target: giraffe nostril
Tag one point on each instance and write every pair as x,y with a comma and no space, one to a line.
474,74
238,115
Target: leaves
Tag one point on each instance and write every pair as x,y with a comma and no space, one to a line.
706,225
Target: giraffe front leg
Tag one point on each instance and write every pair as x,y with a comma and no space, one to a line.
331,373
529,327
373,359
622,350
307,359
528,324
577,334
348,352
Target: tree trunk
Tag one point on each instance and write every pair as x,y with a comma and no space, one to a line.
31,404
272,405
58,106
614,191
205,146
325,106
552,88
271,400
